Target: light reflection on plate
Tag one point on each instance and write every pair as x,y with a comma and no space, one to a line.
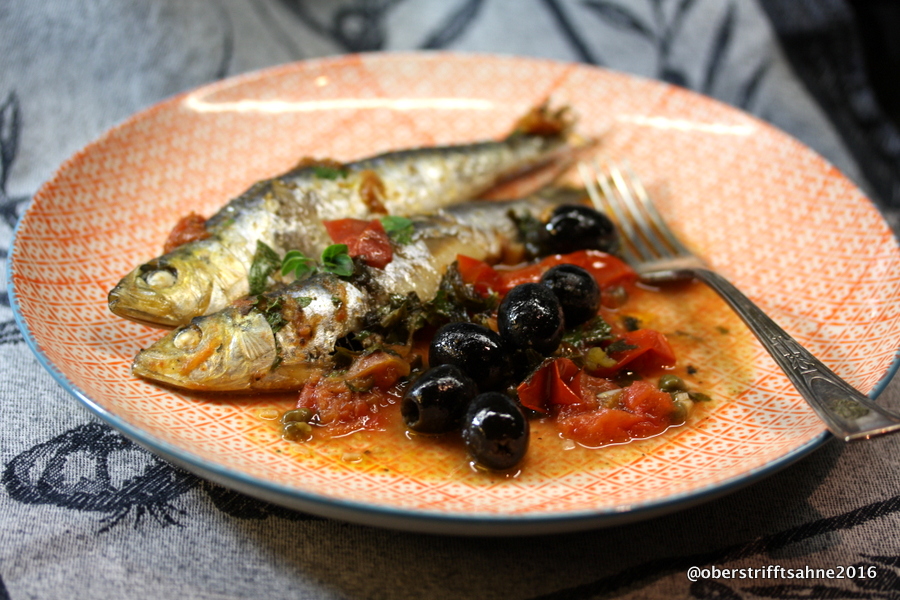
779,221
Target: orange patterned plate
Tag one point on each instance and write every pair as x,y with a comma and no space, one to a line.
773,216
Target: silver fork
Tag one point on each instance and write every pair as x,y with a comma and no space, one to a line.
658,256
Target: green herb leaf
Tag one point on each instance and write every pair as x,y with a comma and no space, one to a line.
265,262
531,232
336,260
591,333
329,172
620,345
699,397
400,229
273,315
304,301
297,263
631,323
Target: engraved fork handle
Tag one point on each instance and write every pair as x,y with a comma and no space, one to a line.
848,413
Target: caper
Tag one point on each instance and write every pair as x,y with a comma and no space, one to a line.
297,431
682,410
298,415
671,383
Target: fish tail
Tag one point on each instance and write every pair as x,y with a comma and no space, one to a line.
544,121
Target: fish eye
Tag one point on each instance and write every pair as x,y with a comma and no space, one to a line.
160,278
188,338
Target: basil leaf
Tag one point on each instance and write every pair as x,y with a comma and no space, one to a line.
265,262
336,260
400,229
297,263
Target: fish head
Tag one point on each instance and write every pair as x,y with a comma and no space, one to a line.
171,290
225,351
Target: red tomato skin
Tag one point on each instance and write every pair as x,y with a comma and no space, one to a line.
479,274
643,411
534,392
653,352
606,269
342,230
600,427
561,382
366,239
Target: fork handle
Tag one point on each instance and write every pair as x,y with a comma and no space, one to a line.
848,413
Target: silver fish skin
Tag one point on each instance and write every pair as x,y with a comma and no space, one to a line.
286,213
236,349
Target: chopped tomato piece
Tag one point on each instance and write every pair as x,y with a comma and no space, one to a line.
533,392
642,411
644,398
189,228
478,273
366,239
561,382
599,427
650,350
342,230
553,383
606,269
565,383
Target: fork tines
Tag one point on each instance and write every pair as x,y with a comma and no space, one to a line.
619,193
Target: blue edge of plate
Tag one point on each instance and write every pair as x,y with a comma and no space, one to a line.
489,524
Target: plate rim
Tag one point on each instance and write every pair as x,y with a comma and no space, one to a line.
380,515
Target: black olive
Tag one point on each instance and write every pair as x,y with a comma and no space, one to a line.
495,431
437,401
530,316
572,227
475,349
577,291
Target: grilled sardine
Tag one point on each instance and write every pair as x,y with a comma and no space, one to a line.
286,213
277,340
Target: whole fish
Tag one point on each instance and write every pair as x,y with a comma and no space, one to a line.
277,340
286,213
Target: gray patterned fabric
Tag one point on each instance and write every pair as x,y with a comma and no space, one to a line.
85,513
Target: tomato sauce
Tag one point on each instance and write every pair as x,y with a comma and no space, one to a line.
604,420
